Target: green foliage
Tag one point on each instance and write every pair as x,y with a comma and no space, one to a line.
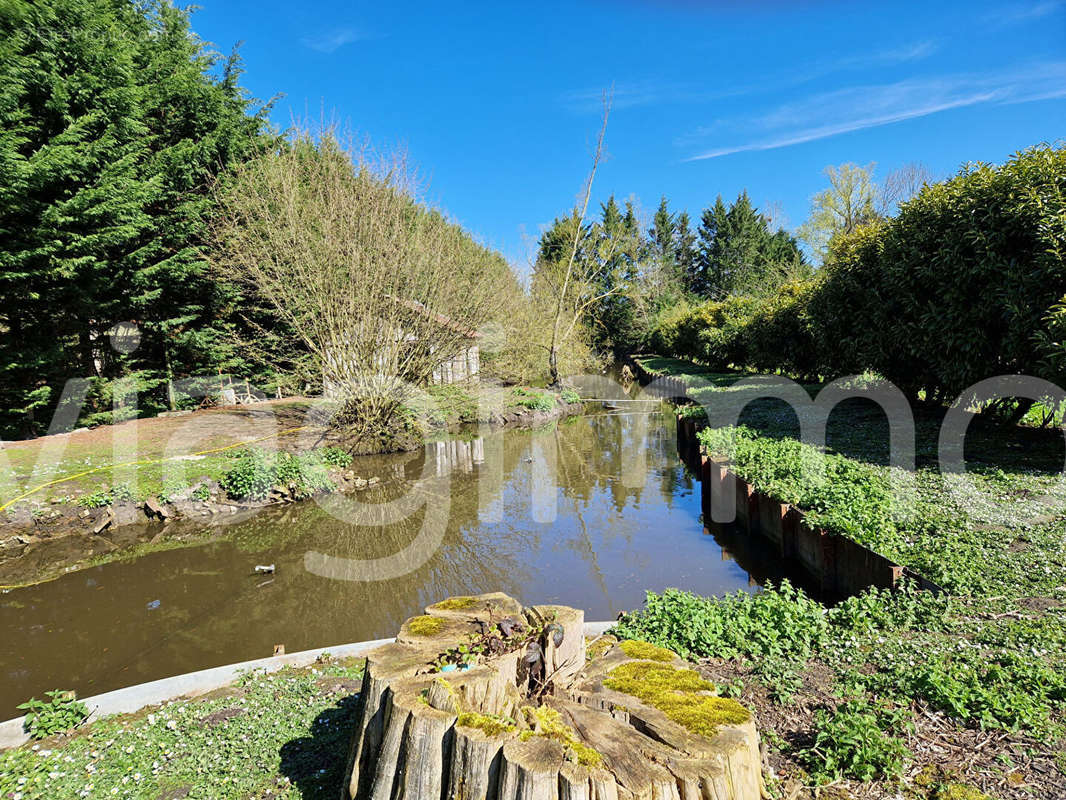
778,622
255,472
283,734
966,282
1003,685
635,280
963,545
252,475
570,396
839,210
837,493
532,399
61,712
959,284
304,474
615,246
710,332
116,119
900,646
858,741
904,609
738,254
454,404
106,497
335,457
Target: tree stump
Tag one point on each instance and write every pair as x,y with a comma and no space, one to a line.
482,698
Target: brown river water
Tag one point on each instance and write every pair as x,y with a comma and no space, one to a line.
591,512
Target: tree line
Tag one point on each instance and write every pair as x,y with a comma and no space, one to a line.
638,271
115,121
966,281
141,184
635,277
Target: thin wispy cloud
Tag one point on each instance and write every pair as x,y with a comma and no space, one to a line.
1021,13
333,40
904,54
639,93
858,108
653,92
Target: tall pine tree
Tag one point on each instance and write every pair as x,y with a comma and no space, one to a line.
685,255
737,253
661,235
708,279
115,120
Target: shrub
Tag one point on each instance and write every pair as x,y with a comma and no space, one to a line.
533,400
335,457
965,283
106,497
303,474
780,622
61,712
856,742
251,477
255,472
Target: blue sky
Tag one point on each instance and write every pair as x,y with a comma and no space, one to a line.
498,103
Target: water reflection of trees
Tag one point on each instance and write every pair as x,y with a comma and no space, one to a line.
179,610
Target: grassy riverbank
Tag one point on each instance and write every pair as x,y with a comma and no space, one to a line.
277,735
153,453
892,687
215,461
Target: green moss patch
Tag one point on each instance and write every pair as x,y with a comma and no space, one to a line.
646,651
456,604
958,791
548,722
598,646
489,724
677,693
425,626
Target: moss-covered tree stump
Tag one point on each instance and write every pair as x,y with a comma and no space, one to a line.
481,698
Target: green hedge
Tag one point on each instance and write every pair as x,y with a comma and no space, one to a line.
967,282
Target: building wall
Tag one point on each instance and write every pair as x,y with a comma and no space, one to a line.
464,366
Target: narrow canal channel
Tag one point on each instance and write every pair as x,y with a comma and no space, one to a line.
591,512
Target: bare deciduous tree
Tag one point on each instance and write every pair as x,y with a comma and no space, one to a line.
379,289
580,281
901,185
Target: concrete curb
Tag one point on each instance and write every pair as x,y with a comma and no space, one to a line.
191,684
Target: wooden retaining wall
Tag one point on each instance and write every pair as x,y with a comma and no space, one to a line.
837,565
666,386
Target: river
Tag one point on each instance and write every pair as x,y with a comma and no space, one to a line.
590,512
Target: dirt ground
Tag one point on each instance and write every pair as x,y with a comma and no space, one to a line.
944,752
156,437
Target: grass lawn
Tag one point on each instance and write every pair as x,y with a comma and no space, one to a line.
36,461
277,735
169,446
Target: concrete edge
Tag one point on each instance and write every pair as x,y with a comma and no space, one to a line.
192,684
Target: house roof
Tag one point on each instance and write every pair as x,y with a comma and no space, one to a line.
440,319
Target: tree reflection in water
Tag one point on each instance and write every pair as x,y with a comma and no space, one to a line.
551,515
